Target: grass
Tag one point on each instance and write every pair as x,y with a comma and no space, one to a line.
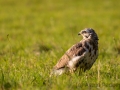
34,34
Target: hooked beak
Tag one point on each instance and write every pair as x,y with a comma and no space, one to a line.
79,33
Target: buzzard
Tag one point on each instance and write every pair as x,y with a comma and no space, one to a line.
81,55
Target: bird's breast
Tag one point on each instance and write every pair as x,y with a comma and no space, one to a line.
90,57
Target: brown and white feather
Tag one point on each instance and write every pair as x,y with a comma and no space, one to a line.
82,55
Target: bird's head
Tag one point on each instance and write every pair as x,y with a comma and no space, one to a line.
88,33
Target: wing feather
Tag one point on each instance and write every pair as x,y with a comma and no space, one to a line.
76,50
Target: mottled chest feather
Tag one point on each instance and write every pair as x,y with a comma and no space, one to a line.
91,55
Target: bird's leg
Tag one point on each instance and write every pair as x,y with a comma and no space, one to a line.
72,70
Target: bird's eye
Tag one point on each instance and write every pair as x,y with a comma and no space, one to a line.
84,32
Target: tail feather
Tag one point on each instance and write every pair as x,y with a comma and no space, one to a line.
57,72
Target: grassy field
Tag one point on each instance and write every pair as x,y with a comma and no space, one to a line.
34,34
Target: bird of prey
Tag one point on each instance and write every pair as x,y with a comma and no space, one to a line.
81,55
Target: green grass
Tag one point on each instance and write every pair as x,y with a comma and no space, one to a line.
34,34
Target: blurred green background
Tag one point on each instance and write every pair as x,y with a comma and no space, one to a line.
34,34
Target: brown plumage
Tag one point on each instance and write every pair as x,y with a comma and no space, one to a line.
81,55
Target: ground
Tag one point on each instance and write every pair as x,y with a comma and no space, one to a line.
34,34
